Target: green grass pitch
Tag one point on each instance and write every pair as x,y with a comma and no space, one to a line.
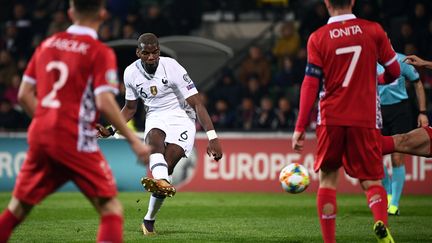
223,217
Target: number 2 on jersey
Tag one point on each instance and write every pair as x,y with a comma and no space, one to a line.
50,101
356,50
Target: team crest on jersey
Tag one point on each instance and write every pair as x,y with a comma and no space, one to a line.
187,78
153,90
111,76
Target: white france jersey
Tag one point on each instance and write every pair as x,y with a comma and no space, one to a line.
163,93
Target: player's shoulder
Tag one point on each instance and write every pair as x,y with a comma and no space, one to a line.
168,61
131,68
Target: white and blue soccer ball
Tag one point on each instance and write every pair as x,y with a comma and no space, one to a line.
294,178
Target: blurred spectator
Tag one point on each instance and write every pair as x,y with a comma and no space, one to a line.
253,90
367,9
246,115
59,23
288,43
286,115
266,115
129,32
418,18
186,16
314,19
222,117
11,92
227,89
41,21
21,19
255,65
114,23
10,119
105,33
286,82
8,68
155,22
407,35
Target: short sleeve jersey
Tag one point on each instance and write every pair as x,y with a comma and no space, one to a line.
164,93
69,69
347,50
396,92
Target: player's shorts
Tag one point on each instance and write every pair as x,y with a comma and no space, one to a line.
46,168
397,118
178,130
357,149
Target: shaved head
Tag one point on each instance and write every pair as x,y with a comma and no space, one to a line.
147,39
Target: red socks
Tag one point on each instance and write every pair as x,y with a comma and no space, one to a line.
377,201
8,222
326,204
111,229
387,144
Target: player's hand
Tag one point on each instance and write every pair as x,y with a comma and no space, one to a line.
214,149
415,60
422,120
142,151
298,141
103,132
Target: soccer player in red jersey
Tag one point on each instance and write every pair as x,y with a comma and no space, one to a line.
341,61
70,78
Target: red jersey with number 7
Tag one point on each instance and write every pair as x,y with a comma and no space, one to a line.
69,69
347,50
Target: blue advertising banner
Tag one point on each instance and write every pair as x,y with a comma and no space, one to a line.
127,170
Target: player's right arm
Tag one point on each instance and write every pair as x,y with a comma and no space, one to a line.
129,109
386,57
107,105
27,90
308,93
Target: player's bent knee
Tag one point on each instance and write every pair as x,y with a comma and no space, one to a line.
107,206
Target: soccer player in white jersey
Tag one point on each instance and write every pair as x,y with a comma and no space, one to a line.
172,105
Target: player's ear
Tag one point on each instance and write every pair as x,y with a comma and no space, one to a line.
137,52
71,14
103,14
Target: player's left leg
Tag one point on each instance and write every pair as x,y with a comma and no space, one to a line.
416,142
173,153
12,216
377,200
327,205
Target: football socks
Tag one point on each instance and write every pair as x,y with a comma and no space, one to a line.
377,201
327,197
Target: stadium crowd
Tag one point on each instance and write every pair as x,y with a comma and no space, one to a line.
261,94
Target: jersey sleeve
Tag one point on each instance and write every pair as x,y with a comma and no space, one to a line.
409,72
131,92
30,71
386,54
313,56
105,72
182,81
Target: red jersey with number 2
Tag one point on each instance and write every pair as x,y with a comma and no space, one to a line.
347,52
69,70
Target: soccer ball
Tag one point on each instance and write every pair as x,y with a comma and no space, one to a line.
294,178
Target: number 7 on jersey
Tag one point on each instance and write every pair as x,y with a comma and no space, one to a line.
356,50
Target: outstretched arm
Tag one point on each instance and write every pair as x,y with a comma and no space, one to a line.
108,106
214,149
418,62
127,112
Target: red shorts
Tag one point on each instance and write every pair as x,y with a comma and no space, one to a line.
46,168
357,149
